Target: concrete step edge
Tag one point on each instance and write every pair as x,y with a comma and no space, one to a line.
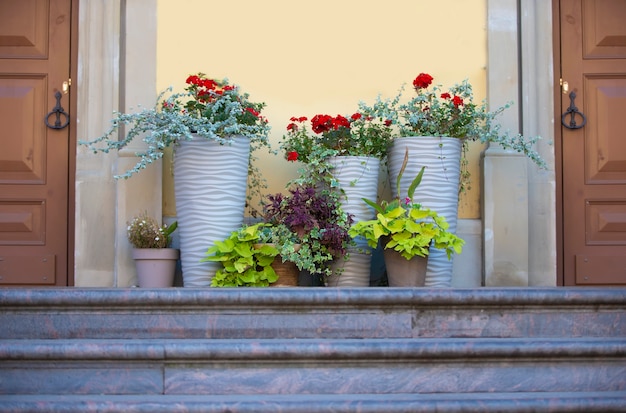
588,402
311,349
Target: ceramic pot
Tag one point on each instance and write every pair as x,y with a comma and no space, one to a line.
210,182
405,273
155,266
351,272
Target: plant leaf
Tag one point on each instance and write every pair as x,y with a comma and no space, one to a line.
415,183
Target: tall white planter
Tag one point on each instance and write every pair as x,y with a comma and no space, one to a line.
210,187
439,189
357,176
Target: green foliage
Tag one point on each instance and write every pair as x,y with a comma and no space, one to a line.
405,226
245,262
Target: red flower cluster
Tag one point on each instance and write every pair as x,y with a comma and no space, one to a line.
325,123
201,82
422,81
292,127
206,89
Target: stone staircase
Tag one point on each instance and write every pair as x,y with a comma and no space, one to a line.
313,350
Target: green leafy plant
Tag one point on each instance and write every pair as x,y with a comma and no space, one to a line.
431,111
145,232
212,109
406,226
246,260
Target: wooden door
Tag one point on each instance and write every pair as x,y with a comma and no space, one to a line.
34,159
593,59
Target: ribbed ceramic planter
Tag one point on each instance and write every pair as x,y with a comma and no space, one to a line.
353,272
155,266
358,177
439,189
210,188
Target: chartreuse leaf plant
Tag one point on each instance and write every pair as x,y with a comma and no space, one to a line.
406,226
246,260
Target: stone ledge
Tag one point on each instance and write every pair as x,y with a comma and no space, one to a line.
309,350
293,298
587,402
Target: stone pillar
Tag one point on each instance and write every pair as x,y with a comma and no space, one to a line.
505,180
116,70
98,95
538,103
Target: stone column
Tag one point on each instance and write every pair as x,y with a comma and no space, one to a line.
116,70
505,180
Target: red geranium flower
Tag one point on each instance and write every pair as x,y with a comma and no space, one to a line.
321,123
458,101
292,156
445,95
422,81
340,121
254,112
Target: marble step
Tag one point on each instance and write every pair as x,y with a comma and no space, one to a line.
311,366
580,402
332,313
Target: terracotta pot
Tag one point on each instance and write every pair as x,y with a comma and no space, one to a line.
287,273
405,273
155,266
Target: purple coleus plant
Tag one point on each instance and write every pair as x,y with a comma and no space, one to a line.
311,215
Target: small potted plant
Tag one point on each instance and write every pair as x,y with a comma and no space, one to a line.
245,258
154,260
407,231
309,228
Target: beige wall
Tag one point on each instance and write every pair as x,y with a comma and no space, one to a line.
323,56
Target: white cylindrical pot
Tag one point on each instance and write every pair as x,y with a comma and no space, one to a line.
210,182
439,189
357,176
353,272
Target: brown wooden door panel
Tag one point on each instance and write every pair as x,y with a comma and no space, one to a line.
23,157
593,58
24,30
34,159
